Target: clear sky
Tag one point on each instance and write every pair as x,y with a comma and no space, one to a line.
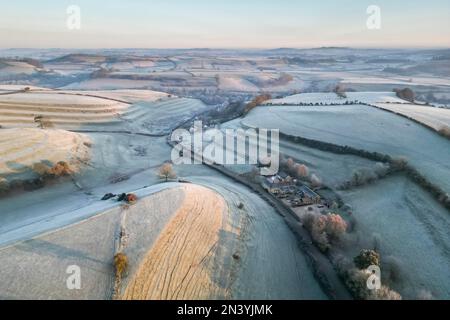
223,23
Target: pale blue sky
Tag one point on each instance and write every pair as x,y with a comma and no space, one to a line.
224,23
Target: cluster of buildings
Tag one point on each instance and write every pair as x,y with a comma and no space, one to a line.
296,194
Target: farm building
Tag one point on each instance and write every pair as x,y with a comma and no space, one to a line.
308,196
279,183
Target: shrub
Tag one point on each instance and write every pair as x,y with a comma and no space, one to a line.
120,263
384,293
16,184
399,163
405,94
445,132
4,185
367,258
324,229
340,91
290,163
362,176
62,168
257,101
302,171
356,282
131,198
392,269
381,169
40,168
335,226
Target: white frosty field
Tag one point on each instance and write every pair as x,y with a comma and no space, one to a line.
142,111
69,224
410,228
332,98
236,83
333,169
58,109
362,127
92,243
272,265
161,117
436,118
10,68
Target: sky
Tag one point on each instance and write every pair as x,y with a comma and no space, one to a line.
223,24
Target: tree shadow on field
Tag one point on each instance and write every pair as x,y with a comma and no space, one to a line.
225,261
49,249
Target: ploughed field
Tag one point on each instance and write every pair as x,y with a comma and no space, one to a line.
141,111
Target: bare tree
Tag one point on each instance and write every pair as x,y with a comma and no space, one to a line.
340,91
166,172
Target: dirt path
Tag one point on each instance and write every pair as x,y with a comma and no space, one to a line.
178,265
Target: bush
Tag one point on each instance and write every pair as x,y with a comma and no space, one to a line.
381,169
120,263
40,168
324,229
399,163
4,185
335,226
131,198
384,293
62,168
405,94
356,282
257,101
340,91
445,132
302,171
367,258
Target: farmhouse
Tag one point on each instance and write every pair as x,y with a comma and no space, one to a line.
280,183
284,186
308,196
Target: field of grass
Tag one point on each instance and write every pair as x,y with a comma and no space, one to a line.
365,128
20,149
436,118
408,227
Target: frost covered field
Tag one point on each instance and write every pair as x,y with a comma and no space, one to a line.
207,231
436,118
60,223
362,127
411,230
332,98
